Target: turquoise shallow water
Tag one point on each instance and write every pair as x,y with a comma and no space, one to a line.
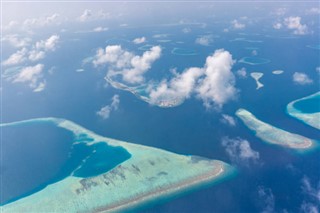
310,105
38,154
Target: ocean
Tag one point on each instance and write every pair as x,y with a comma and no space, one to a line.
275,180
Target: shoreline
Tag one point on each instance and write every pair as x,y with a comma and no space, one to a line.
162,193
272,134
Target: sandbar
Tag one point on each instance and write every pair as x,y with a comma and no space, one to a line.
312,119
256,76
274,135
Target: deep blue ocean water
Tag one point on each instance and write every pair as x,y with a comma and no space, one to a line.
187,129
310,105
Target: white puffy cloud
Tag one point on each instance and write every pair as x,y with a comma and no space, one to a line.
277,26
100,29
294,23
41,21
239,150
16,58
49,44
16,41
105,111
313,11
213,83
227,119
37,51
180,87
89,15
205,40
237,25
217,86
131,67
242,73
35,55
86,15
139,40
31,75
267,198
301,78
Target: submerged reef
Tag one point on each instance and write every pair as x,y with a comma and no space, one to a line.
256,76
142,93
274,135
309,118
145,175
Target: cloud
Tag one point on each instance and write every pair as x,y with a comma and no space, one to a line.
301,78
205,40
186,30
309,208
242,73
312,193
139,40
313,11
227,119
239,150
131,67
218,85
105,111
100,29
254,52
49,44
213,83
41,21
88,15
16,41
31,75
277,26
178,88
35,55
37,51
237,25
267,198
16,58
318,70
294,23
280,11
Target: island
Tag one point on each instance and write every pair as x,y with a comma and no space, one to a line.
143,176
277,72
274,135
254,60
256,76
311,118
142,93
